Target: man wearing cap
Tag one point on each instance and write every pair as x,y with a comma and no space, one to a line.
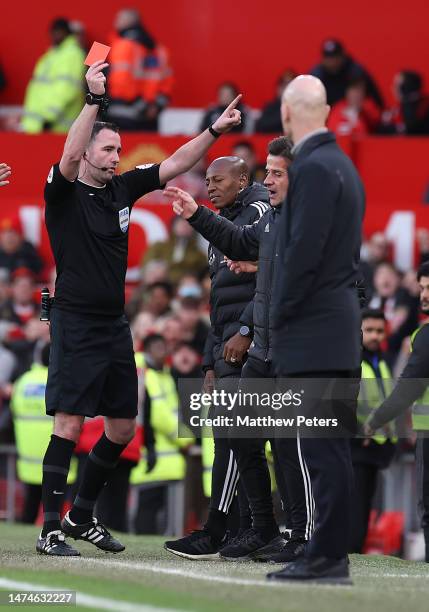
337,69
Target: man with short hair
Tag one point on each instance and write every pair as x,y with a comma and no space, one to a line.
412,389
243,244
231,298
92,369
370,456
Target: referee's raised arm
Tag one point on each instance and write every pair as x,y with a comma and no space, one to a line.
80,132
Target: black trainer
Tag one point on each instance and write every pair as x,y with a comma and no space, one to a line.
315,569
93,532
252,546
234,540
199,544
291,551
54,544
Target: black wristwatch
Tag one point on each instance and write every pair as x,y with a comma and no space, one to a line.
95,99
245,331
214,132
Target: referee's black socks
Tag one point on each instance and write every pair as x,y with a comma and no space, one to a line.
56,465
100,463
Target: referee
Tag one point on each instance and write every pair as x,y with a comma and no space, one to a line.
92,369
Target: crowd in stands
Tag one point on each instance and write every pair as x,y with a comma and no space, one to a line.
141,82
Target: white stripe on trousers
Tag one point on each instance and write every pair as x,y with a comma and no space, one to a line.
230,484
309,499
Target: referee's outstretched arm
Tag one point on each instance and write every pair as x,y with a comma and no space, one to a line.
80,132
187,156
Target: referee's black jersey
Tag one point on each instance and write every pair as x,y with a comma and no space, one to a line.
88,232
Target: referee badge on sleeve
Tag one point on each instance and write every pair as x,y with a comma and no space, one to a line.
124,219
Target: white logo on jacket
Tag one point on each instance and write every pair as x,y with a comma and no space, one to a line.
124,219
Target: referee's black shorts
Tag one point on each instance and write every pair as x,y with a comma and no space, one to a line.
92,370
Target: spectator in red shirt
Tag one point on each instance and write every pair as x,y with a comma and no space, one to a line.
20,307
357,113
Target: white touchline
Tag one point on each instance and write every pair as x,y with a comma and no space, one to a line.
136,565
84,599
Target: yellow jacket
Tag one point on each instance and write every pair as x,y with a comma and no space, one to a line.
33,427
170,463
55,94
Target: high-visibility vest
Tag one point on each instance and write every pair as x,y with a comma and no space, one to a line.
55,94
170,464
33,427
371,396
136,72
420,409
207,458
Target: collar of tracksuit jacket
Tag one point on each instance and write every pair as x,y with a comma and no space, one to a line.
247,196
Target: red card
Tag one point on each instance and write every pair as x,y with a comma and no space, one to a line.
96,53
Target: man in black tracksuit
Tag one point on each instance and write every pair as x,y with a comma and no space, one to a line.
231,298
258,241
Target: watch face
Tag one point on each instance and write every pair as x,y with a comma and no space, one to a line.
244,330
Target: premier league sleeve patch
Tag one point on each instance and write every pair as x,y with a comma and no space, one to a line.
124,219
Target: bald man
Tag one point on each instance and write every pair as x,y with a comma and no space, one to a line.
231,333
316,317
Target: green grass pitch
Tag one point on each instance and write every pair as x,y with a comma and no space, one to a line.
147,578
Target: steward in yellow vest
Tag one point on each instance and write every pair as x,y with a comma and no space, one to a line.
33,429
370,456
412,390
160,409
161,405
55,94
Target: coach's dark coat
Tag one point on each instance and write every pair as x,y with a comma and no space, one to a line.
315,307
